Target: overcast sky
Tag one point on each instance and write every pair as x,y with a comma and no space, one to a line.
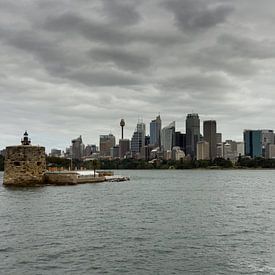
71,68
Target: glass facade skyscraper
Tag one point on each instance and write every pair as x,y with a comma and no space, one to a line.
253,143
155,132
192,134
210,135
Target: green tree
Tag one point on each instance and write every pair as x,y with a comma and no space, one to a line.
95,165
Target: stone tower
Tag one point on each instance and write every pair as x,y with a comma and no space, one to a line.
25,164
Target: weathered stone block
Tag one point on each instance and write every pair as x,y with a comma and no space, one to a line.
25,165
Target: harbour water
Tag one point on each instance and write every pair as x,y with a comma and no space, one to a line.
159,222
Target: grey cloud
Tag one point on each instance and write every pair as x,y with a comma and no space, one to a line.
246,47
196,15
76,67
73,24
121,12
104,78
121,58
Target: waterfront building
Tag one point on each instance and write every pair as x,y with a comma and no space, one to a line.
168,136
180,140
146,151
240,148
230,150
219,138
138,138
177,153
114,152
220,150
3,152
77,148
202,150
55,153
124,148
167,155
68,152
267,138
253,143
106,142
192,134
89,150
270,150
155,132
210,135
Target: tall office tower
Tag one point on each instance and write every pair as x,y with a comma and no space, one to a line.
155,132
202,150
253,143
192,134
147,140
180,140
106,142
138,138
124,147
210,135
168,136
77,148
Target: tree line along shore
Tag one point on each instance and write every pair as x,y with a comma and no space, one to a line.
218,163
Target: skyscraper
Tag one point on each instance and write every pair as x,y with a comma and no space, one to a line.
155,132
168,136
138,138
210,135
124,147
180,140
192,134
77,148
106,142
202,150
253,143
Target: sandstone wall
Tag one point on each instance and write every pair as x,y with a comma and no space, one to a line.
24,165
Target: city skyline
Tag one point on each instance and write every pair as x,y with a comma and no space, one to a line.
77,67
88,141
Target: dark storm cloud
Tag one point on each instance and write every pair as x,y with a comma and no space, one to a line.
196,15
77,67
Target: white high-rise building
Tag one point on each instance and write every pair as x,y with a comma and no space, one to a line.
155,132
168,136
202,150
138,138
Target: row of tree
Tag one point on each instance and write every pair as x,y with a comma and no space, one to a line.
243,162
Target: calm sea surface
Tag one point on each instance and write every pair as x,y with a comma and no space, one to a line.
160,222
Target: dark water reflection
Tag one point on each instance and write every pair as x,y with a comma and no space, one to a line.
160,222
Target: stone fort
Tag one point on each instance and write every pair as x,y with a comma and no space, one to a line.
25,164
